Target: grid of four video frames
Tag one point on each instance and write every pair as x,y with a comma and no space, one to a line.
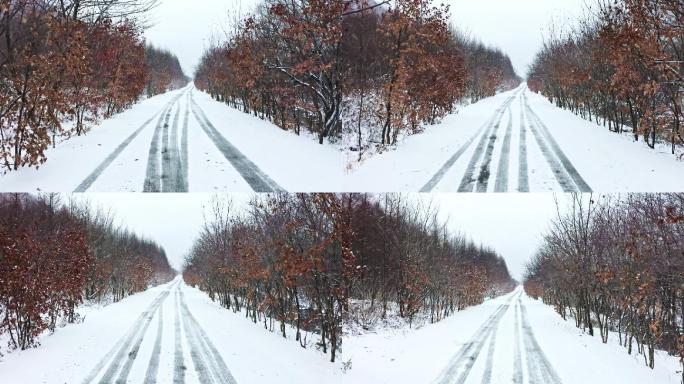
342,191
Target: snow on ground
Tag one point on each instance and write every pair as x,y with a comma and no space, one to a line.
525,335
413,355
208,169
251,354
409,166
609,161
561,151
423,355
255,355
297,163
72,160
580,358
70,353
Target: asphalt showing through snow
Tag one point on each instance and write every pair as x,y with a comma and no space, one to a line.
255,177
153,179
183,167
95,174
478,173
565,168
123,345
502,171
167,162
523,177
481,153
460,365
115,366
539,369
208,361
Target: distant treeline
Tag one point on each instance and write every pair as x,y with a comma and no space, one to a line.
164,71
618,265
55,255
351,67
314,261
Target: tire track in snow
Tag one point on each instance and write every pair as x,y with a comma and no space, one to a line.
152,174
536,359
582,185
170,157
485,168
468,181
178,361
90,180
489,365
120,349
523,178
472,358
166,173
502,170
517,359
204,376
533,374
450,162
153,366
133,353
468,353
183,166
216,361
208,361
250,172
556,168
176,174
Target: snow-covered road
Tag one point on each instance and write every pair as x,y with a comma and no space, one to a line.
164,144
529,145
482,174
205,361
509,339
530,364
167,160
175,334
517,141
183,141
168,334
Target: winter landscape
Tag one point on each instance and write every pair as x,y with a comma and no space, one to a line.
343,288
341,191
350,111
184,141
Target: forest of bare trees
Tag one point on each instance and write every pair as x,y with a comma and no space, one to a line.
623,68
351,68
617,265
313,262
164,71
55,255
64,64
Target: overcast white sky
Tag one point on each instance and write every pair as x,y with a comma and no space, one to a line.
515,26
171,220
512,224
187,27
